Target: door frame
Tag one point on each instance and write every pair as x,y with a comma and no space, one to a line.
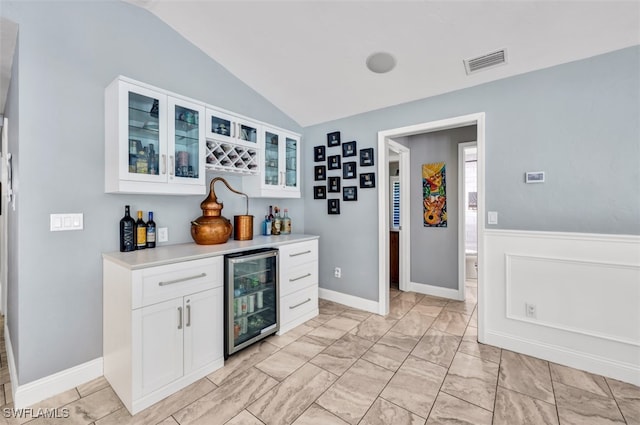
404,254
4,226
462,215
384,139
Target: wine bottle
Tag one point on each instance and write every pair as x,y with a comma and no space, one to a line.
151,231
286,223
127,224
141,232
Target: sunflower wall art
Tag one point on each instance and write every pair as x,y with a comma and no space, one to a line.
434,194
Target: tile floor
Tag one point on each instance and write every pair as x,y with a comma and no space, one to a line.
421,364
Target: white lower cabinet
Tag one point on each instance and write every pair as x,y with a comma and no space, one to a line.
163,328
298,284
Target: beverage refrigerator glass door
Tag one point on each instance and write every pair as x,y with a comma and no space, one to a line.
251,298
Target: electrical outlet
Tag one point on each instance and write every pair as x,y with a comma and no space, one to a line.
337,272
163,234
530,310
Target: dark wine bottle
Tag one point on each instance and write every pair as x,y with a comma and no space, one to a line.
141,232
127,224
151,231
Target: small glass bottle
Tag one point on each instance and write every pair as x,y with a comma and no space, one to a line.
127,227
141,232
277,222
286,223
266,227
151,231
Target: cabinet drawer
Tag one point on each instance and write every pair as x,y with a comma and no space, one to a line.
298,253
162,283
295,278
298,304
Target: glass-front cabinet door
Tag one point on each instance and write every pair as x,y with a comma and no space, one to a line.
292,172
272,175
186,140
229,128
146,134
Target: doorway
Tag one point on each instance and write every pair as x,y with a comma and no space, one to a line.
385,143
467,215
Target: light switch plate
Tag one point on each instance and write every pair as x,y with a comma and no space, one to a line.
62,222
492,217
163,234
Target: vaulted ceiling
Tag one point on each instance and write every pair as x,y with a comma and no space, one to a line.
308,57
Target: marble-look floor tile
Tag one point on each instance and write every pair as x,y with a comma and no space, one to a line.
412,297
339,357
398,308
352,395
465,307
316,415
413,323
451,322
327,333
244,418
515,408
342,323
330,308
580,379
428,310
280,364
163,408
628,398
291,336
472,379
451,410
170,421
434,301
391,350
526,375
384,413
229,399
285,402
485,352
92,386
373,327
437,347
87,409
242,361
579,407
474,318
56,401
415,385
354,314
306,347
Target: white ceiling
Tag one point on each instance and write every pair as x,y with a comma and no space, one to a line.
308,57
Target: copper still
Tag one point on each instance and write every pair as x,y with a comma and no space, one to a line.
212,228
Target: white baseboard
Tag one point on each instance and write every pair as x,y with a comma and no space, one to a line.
348,300
562,355
435,291
31,393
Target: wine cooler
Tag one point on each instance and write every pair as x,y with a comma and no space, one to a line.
251,298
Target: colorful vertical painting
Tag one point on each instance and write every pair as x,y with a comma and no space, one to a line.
434,194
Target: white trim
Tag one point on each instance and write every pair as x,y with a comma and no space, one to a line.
462,222
348,300
31,393
632,239
435,291
595,364
477,119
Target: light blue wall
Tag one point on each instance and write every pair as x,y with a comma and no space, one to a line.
68,53
579,122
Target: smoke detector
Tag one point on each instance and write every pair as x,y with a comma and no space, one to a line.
489,60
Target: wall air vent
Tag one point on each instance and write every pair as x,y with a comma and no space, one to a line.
490,60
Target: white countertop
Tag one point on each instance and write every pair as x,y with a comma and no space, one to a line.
169,254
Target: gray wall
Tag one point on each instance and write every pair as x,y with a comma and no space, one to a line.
12,112
579,122
68,53
434,250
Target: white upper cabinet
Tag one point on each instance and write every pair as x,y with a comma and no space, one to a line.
226,127
154,141
279,175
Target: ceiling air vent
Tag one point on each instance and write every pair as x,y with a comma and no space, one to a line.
490,60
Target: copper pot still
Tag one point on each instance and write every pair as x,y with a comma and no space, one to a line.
211,228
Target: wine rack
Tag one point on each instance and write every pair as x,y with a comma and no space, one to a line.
231,158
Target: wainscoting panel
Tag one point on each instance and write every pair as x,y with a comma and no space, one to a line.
585,294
